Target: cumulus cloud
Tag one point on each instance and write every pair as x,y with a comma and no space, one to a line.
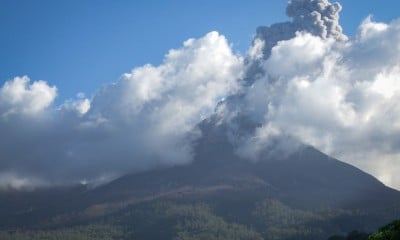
339,96
81,105
19,96
146,119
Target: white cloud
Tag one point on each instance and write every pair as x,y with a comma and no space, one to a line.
159,106
340,97
370,29
9,180
314,86
300,54
146,119
255,52
80,105
19,96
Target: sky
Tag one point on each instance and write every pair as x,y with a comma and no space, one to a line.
92,90
81,45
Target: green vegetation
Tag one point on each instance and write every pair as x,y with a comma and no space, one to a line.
88,232
173,220
354,235
388,232
182,222
148,221
279,221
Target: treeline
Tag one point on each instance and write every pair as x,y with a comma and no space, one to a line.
153,221
390,231
87,232
269,219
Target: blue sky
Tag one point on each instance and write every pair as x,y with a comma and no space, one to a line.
80,45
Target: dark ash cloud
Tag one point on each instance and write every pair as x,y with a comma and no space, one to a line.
317,17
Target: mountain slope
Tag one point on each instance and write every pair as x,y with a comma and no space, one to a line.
285,193
305,178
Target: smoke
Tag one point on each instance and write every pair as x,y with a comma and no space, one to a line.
303,82
317,17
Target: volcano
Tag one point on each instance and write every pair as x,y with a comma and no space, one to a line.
183,170
305,182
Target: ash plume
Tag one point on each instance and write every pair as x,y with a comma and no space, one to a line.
318,17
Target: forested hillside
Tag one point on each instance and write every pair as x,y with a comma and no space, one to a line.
269,219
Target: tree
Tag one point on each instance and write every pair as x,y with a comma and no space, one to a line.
388,232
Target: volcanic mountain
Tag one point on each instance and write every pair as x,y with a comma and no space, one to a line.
306,185
291,190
